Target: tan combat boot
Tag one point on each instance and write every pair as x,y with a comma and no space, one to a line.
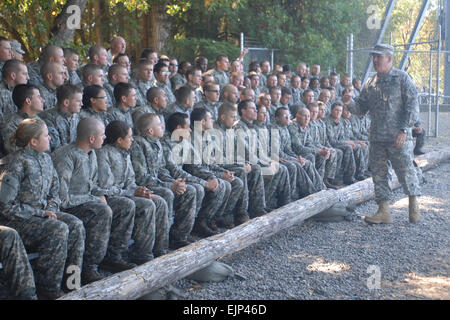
414,214
382,215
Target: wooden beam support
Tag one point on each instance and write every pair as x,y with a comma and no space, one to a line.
155,274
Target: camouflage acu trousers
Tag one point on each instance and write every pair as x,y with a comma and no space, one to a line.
151,227
348,165
213,203
402,163
277,189
182,209
59,243
124,210
361,159
97,218
16,266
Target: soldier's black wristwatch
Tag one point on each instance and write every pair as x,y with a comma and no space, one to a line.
403,130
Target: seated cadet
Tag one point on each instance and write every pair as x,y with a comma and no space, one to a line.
236,207
93,75
210,101
247,94
14,73
173,66
116,74
303,176
184,103
325,97
314,85
194,79
229,94
94,104
250,174
6,52
340,87
237,80
307,97
296,90
212,192
324,83
99,56
281,80
150,54
16,267
161,73
271,82
50,53
335,134
265,71
54,76
362,164
116,174
276,178
333,96
201,63
108,222
62,120
207,78
357,84
179,78
144,80
117,48
17,51
334,161
286,95
333,79
275,95
149,164
124,61
28,100
29,203
125,97
219,72
72,58
254,84
156,103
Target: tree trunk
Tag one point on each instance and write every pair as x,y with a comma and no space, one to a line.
135,283
61,34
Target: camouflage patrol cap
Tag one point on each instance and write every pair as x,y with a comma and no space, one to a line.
383,49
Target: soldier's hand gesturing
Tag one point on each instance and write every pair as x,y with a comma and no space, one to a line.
50,215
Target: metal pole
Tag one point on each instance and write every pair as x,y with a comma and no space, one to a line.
390,39
429,92
242,41
350,71
438,74
271,58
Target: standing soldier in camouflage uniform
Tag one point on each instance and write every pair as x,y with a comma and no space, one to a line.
54,76
161,72
14,73
62,120
149,164
16,267
210,101
76,164
157,103
29,101
276,183
219,72
94,104
115,173
390,97
125,97
144,81
194,80
212,193
28,195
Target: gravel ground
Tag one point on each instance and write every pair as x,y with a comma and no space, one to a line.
331,260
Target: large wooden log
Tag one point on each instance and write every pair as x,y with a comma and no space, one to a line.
132,284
